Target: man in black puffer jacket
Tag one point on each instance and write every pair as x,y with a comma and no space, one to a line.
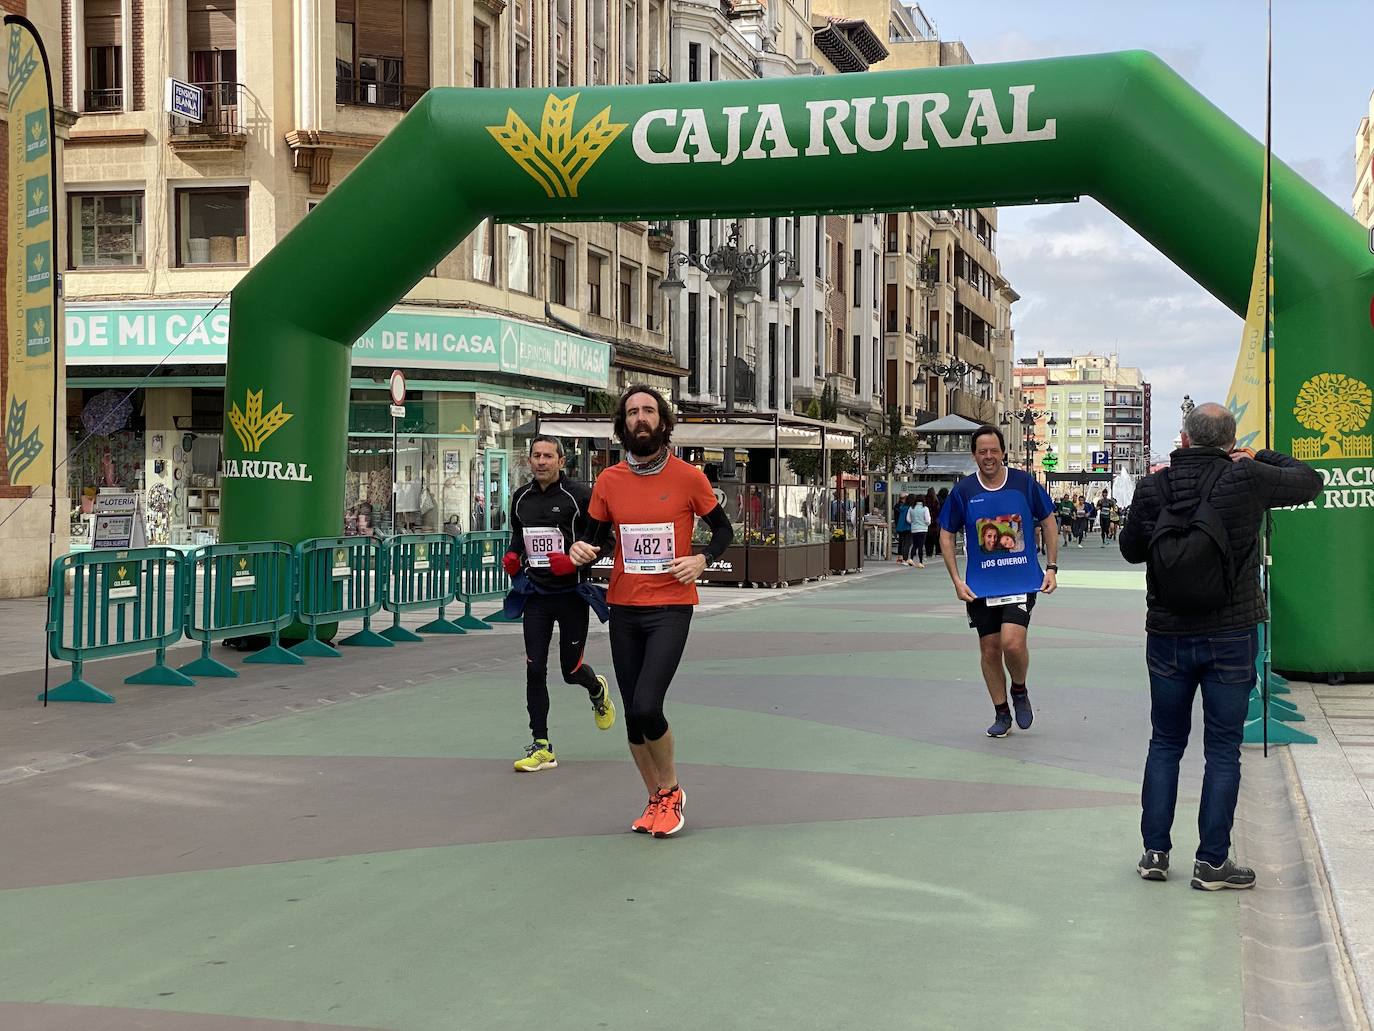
1214,648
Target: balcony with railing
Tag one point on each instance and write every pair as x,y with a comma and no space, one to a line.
221,126
372,93
102,101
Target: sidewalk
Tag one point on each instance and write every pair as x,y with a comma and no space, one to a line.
345,844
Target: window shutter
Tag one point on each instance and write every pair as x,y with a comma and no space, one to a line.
417,47
210,25
345,10
379,28
103,28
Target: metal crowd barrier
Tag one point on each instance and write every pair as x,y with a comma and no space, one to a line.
339,578
420,573
244,589
122,603
480,574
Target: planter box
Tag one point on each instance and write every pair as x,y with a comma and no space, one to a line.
731,568
778,564
844,556
817,560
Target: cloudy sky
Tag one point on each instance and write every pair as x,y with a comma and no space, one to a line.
1087,282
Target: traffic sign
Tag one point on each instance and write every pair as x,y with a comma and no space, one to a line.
398,387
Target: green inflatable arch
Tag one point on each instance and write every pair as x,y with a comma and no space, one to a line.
1123,128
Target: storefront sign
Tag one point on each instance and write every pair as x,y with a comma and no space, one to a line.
118,522
416,338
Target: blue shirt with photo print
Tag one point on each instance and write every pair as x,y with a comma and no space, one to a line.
1000,528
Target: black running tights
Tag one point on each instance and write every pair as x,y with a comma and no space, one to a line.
646,646
542,611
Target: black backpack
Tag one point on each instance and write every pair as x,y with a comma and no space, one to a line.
1191,567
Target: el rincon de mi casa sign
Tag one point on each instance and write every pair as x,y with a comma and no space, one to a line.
1122,128
185,335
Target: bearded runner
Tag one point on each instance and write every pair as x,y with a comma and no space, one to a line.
651,502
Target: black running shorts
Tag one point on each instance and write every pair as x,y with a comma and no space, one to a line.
988,619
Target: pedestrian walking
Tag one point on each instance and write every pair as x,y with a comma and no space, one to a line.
996,508
903,526
546,515
918,516
651,502
1196,527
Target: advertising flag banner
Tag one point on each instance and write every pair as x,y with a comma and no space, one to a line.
1246,398
30,341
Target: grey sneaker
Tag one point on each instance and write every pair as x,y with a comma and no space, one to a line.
1229,874
1001,726
1020,704
1153,866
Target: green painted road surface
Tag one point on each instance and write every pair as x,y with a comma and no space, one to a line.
858,854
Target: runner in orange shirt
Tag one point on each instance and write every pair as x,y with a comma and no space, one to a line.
651,501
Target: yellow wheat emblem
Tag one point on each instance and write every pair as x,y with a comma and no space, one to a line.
557,158
253,427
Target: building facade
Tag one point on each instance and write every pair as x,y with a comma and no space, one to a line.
1101,408
167,213
1362,199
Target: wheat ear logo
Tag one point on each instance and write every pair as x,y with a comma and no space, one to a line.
557,159
252,426
1335,406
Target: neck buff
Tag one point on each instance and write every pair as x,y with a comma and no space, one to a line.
647,466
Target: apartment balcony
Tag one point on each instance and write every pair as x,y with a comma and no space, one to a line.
103,101
975,302
661,237
221,126
971,406
371,93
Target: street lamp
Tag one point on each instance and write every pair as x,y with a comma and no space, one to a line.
733,272
954,371
1028,417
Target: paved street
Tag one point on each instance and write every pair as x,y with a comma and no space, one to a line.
858,854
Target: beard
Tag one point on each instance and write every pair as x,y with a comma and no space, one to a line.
643,445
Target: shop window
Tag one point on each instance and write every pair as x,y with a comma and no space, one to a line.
519,268
483,265
212,227
559,271
106,230
595,265
382,52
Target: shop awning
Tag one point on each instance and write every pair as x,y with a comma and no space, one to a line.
715,435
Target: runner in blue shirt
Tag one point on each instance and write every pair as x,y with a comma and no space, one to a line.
998,509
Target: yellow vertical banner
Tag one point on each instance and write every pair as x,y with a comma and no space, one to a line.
1254,364
30,342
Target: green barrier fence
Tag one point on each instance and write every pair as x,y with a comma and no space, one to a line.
122,603
244,589
420,573
339,578
480,574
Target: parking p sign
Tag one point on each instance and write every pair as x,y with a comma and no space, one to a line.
185,100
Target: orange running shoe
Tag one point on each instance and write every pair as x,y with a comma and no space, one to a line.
670,819
645,824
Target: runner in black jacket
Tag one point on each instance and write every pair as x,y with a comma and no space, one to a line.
546,516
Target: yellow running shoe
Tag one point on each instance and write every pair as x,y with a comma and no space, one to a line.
538,756
604,706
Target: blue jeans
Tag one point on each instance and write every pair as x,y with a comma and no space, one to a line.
1224,666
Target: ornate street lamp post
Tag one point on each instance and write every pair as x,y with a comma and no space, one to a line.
1028,417
954,371
734,273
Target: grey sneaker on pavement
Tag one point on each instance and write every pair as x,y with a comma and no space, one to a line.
1229,874
1001,726
1153,866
